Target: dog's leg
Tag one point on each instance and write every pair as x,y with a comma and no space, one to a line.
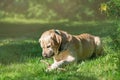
55,65
59,64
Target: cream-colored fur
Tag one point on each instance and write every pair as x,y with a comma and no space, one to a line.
66,48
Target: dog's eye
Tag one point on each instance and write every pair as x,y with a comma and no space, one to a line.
48,46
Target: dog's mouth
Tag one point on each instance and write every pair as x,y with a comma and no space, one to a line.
51,55
48,56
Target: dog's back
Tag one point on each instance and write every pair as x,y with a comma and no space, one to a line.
91,45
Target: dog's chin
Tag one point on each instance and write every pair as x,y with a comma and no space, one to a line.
49,56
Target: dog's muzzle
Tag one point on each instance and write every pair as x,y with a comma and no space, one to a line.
48,55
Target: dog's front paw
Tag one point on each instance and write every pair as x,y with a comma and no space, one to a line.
49,69
53,67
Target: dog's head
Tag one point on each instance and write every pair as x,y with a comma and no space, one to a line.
52,42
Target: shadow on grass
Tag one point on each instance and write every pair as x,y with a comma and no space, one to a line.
12,51
8,30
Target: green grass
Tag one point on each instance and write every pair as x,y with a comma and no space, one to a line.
20,53
28,21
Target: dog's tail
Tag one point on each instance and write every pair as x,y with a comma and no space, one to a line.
98,46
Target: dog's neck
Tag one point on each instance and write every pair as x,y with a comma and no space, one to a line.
64,45
61,48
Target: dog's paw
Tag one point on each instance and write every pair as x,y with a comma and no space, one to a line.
49,69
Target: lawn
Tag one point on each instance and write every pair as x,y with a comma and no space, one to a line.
20,52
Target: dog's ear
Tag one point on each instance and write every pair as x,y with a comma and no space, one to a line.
56,36
65,41
57,32
62,39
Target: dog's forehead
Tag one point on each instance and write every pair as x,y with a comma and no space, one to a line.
46,36
45,41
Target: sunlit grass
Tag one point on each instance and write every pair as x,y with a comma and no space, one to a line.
5,42
21,70
28,21
34,21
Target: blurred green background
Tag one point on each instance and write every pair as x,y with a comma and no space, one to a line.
23,21
58,10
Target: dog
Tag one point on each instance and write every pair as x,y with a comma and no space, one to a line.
66,48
